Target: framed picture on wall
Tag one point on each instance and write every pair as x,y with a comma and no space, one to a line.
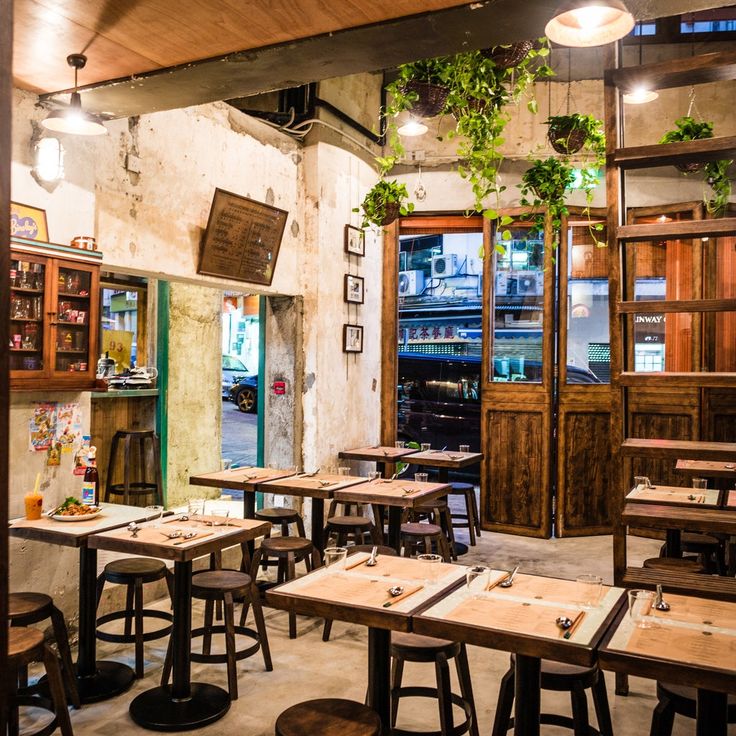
28,222
354,289
354,241
352,338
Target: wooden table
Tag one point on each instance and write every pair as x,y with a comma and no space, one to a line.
676,496
521,619
707,468
183,704
693,644
446,460
397,495
358,595
379,454
95,680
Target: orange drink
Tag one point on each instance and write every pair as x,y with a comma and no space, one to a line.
34,503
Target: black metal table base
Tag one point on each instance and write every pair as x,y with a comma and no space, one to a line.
156,709
110,679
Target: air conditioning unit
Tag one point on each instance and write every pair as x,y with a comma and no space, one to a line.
529,283
411,283
444,266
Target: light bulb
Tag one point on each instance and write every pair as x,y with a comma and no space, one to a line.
412,128
585,23
589,18
640,95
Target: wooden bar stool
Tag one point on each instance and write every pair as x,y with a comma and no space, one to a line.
147,481
679,700
26,645
226,586
421,535
283,517
674,564
414,648
134,573
437,512
470,520
351,524
561,678
328,717
25,609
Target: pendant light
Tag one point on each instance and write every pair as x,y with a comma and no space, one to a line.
74,119
640,94
581,23
412,128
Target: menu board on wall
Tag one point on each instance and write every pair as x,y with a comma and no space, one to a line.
242,239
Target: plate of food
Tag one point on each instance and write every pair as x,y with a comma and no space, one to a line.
74,510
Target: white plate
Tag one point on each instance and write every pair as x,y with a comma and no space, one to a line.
81,517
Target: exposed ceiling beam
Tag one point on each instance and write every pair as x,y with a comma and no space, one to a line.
367,48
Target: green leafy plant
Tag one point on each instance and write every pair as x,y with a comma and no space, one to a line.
715,172
384,203
569,134
546,183
402,91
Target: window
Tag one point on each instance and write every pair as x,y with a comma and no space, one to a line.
123,322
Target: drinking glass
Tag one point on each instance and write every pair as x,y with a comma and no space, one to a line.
399,444
477,578
464,448
426,446
196,507
335,557
421,477
640,604
154,514
589,589
642,481
374,475
431,568
343,470
700,483
222,512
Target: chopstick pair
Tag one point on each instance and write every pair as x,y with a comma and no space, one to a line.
499,581
395,599
196,537
575,623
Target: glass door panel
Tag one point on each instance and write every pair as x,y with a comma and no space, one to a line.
72,320
27,288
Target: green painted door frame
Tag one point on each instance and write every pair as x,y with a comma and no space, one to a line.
261,424
162,365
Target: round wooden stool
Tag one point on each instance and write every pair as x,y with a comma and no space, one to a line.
25,609
26,645
141,466
226,586
288,551
437,512
282,517
470,520
679,700
414,648
416,535
674,564
328,717
710,549
134,573
561,678
356,528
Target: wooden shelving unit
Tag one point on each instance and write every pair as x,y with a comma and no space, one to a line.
683,392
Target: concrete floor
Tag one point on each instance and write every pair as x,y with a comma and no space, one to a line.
308,668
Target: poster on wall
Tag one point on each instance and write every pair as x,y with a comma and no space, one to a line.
42,427
28,222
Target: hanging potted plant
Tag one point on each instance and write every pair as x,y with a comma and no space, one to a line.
547,180
508,55
568,134
384,203
715,172
420,87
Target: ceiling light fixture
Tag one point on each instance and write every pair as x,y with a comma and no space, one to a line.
581,23
49,160
74,119
412,128
640,95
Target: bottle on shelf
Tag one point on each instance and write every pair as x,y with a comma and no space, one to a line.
91,482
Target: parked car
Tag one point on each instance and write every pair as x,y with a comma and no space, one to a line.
232,370
245,393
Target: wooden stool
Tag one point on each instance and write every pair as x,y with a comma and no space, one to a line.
149,466
710,549
282,517
26,645
679,700
415,535
382,551
328,717
561,678
413,648
134,573
352,527
470,519
674,564
437,512
288,551
25,609
226,586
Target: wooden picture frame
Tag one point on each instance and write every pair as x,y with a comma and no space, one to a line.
28,222
354,241
354,290
352,338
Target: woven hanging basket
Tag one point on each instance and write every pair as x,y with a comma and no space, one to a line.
508,56
689,168
432,98
565,140
393,210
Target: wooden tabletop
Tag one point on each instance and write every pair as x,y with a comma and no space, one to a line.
697,518
446,458
404,493
707,468
660,448
522,618
151,539
693,643
359,594
675,495
76,533
238,479
321,485
377,453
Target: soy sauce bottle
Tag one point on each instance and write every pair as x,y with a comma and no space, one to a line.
91,483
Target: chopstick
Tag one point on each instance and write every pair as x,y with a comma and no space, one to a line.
575,624
357,564
500,580
395,599
196,537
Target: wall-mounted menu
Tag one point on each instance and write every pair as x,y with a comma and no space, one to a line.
242,239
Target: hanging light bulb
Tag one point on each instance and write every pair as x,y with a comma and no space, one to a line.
74,119
412,128
49,160
640,95
581,23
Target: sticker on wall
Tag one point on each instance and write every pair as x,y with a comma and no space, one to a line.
81,459
53,455
42,427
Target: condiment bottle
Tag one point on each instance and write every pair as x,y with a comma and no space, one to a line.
91,483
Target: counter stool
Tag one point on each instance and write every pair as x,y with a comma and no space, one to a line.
470,520
26,645
414,648
437,512
416,535
149,466
679,700
560,678
382,551
288,551
226,586
282,517
25,609
328,717
134,573
674,564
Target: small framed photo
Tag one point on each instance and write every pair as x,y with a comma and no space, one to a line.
352,338
354,241
354,289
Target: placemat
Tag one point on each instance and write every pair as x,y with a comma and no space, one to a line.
354,589
731,499
698,611
543,589
399,567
